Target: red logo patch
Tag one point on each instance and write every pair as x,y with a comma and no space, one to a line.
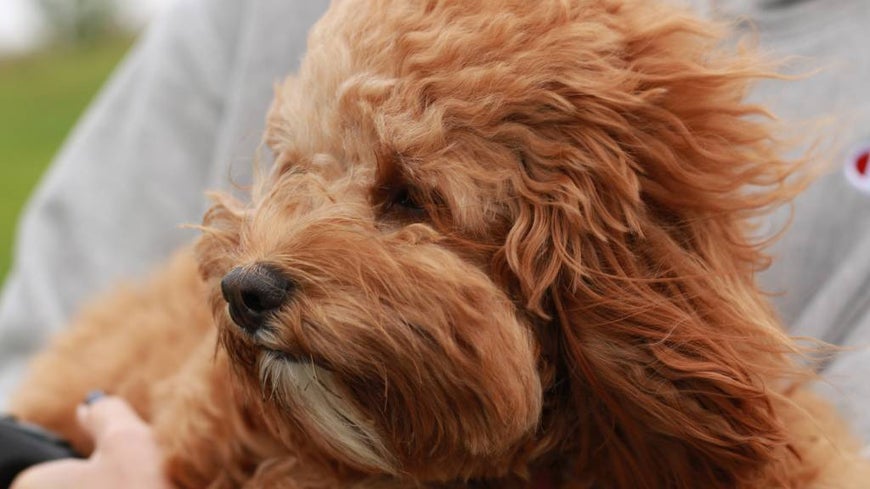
861,163
858,167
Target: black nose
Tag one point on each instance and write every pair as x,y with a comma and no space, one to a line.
253,292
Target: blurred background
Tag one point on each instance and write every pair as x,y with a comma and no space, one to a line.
54,56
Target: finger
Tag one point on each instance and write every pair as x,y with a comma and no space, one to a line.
54,475
107,415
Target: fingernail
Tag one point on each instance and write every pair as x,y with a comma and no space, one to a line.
94,396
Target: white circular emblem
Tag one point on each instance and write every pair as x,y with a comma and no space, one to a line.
857,167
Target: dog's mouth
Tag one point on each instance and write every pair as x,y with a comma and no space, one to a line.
271,354
239,318
256,328
265,341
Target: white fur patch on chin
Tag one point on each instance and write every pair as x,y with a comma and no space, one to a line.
315,389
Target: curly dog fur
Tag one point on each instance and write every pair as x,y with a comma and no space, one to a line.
517,236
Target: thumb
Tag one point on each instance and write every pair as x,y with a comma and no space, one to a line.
109,418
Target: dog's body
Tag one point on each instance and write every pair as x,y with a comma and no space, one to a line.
503,245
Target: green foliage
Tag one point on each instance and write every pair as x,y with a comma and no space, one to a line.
74,21
41,96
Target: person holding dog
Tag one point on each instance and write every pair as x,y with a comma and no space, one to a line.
825,279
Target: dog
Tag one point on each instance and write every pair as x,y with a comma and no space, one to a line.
502,244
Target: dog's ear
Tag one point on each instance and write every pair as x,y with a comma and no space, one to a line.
630,237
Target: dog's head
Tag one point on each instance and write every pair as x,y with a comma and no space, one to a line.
503,236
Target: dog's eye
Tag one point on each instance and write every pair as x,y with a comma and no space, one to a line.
401,201
404,199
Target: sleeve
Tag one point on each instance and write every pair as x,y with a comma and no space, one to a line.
184,113
131,171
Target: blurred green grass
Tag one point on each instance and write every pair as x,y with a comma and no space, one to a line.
41,97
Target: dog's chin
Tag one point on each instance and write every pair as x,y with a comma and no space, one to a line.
306,390
288,357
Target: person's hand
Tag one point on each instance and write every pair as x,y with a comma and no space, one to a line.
126,454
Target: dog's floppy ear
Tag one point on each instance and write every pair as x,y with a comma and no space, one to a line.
630,237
